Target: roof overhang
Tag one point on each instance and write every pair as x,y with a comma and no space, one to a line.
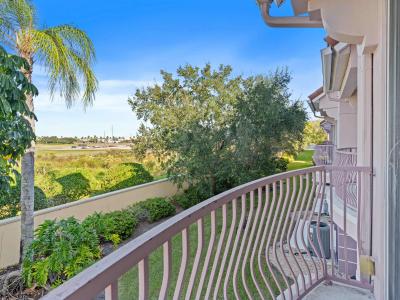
311,20
321,103
339,68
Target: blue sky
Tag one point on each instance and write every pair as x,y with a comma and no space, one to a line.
134,39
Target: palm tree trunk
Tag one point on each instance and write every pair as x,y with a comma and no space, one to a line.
27,200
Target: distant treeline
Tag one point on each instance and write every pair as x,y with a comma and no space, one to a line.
85,139
57,140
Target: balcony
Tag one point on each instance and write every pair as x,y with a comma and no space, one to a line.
323,154
273,238
345,157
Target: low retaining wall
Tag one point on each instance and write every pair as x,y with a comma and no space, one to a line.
10,229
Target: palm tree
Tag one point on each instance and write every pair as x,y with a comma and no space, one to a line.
67,54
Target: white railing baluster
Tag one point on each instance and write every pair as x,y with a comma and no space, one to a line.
217,253
196,263
250,227
144,279
167,266
332,225
289,195
275,204
265,226
302,196
208,256
227,248
111,291
273,225
184,263
279,217
258,224
235,245
312,202
307,197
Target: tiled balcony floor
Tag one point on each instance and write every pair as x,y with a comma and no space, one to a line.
337,291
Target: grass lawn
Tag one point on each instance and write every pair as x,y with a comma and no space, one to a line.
303,160
128,284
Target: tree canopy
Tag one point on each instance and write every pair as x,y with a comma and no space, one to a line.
314,134
66,52
15,131
215,130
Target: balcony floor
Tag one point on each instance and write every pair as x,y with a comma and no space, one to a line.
338,291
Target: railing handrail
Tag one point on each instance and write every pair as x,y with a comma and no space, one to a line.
347,150
102,273
104,269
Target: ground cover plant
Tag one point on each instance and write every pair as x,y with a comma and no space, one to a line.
62,248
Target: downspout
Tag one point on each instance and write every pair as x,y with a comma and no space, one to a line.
311,104
372,152
303,21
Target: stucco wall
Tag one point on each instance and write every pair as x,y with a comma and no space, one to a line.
10,228
347,124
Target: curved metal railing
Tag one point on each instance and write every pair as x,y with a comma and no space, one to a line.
266,239
345,157
323,155
346,183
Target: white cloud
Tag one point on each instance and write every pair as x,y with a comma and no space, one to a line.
116,83
111,96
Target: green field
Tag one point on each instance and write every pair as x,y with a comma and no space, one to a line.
64,175
302,160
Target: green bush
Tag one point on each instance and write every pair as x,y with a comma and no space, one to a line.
280,164
61,249
10,202
75,186
139,212
113,226
158,208
125,175
190,197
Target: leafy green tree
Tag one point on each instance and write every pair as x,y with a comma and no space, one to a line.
214,130
314,134
267,124
67,54
16,134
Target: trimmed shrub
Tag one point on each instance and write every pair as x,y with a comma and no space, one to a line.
139,212
61,249
113,226
158,208
189,198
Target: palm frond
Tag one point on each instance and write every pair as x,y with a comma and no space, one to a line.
88,76
66,52
16,18
74,57
77,40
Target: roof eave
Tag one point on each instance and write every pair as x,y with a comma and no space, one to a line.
295,21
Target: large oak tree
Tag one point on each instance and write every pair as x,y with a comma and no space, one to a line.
215,130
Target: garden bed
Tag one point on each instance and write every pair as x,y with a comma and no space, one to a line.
109,231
